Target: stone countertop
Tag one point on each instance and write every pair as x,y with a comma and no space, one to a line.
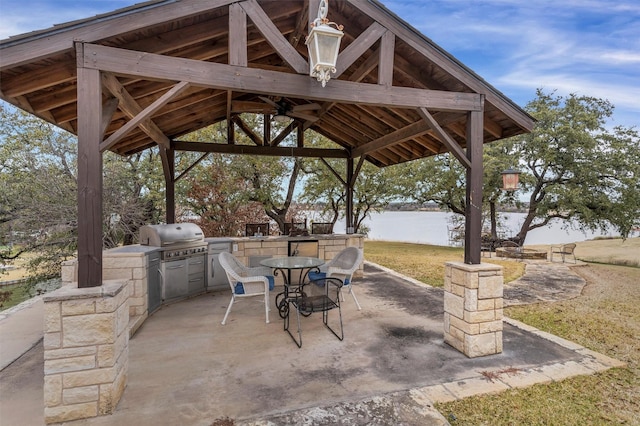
311,237
134,248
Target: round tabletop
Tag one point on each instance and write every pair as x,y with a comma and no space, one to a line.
293,262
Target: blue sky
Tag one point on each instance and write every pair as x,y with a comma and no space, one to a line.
587,47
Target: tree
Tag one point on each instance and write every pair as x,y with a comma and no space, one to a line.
38,180
220,200
267,181
575,169
38,177
374,188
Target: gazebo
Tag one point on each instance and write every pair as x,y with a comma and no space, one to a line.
145,75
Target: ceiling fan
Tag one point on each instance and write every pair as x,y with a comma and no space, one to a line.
280,108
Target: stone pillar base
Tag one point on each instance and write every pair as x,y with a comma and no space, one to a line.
473,308
86,350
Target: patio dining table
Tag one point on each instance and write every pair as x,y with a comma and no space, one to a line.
284,266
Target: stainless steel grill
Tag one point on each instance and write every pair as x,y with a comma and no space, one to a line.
182,257
177,240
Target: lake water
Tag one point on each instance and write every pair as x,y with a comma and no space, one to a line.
431,228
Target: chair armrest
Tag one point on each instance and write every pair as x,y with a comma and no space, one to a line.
339,272
255,284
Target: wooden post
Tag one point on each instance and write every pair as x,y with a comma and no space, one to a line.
89,176
350,183
171,188
473,213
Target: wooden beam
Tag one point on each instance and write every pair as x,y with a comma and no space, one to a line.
283,134
444,137
89,178
15,53
332,170
357,171
227,77
129,106
237,35
385,68
248,130
274,37
393,138
108,109
188,169
143,115
272,151
301,25
348,56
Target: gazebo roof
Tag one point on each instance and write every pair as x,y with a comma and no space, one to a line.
182,65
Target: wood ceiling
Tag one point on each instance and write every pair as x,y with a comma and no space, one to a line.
396,96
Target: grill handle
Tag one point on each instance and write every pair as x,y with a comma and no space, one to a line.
176,267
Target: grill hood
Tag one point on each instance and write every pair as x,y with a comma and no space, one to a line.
170,234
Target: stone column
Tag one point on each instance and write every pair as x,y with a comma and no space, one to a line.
473,308
86,350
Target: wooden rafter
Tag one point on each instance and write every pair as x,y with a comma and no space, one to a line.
274,36
130,107
396,137
360,45
445,138
143,116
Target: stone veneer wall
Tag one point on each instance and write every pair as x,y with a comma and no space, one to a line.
86,350
130,267
473,308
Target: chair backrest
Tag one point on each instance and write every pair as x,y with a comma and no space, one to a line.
508,243
347,261
322,228
319,295
256,229
295,226
232,266
568,248
254,280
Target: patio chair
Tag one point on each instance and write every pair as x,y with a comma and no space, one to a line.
246,282
564,250
342,266
321,295
322,228
295,228
256,229
514,249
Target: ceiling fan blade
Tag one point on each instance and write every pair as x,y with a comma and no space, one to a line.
251,107
306,107
303,116
269,101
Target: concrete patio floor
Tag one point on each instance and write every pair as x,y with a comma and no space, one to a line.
186,368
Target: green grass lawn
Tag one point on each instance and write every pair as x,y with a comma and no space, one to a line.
605,318
14,294
425,263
